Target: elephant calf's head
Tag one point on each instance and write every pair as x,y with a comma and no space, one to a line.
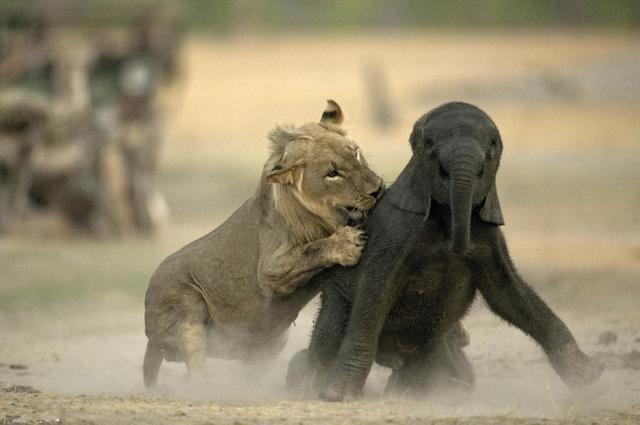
456,153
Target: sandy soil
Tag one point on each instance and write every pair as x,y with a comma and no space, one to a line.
71,332
84,364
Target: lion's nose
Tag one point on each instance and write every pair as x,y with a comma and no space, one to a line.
376,193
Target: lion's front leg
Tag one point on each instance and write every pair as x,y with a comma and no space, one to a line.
283,270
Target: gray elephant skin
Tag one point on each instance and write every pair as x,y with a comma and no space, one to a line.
433,243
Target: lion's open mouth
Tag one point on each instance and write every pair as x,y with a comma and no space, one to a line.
351,209
354,214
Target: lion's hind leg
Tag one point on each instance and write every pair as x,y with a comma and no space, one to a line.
193,347
192,334
152,360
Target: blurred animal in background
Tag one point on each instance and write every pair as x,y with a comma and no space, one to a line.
376,85
234,292
125,77
434,242
94,157
23,122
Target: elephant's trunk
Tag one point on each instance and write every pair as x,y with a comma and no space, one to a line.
464,168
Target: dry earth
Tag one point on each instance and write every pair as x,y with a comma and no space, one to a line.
71,334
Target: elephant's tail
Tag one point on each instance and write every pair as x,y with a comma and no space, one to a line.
152,360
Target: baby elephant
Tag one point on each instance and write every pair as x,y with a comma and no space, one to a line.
434,242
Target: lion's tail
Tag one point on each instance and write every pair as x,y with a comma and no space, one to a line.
151,366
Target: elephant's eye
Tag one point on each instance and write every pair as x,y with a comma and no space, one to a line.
443,173
493,142
428,142
333,174
4,172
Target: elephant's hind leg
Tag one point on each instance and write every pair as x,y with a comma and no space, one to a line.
441,365
307,367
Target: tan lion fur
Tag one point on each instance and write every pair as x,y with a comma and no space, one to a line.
234,292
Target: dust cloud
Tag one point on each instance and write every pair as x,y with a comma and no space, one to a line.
64,356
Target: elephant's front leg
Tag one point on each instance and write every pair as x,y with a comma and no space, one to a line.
380,274
284,268
374,296
513,300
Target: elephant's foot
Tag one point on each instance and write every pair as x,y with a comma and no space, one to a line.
339,391
459,336
575,368
300,373
461,370
339,387
419,384
444,367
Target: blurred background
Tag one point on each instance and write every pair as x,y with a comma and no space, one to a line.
128,129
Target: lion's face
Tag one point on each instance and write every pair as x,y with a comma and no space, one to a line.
336,175
325,170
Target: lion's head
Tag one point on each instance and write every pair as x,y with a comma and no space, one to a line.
319,176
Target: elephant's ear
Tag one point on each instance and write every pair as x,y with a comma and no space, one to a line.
490,211
410,192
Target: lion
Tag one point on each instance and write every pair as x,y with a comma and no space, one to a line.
234,292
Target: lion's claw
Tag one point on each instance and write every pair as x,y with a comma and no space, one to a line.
348,243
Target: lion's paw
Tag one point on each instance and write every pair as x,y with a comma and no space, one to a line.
348,243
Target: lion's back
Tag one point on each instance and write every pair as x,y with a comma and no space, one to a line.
220,267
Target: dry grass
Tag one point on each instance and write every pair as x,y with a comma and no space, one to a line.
236,89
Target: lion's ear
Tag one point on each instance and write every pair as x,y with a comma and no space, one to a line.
332,114
284,175
281,136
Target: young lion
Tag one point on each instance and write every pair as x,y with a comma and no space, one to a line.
234,292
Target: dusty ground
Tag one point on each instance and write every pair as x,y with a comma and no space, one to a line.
71,334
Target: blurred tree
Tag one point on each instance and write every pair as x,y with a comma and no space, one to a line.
327,15
96,66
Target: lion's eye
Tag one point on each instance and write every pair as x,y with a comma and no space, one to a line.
333,174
